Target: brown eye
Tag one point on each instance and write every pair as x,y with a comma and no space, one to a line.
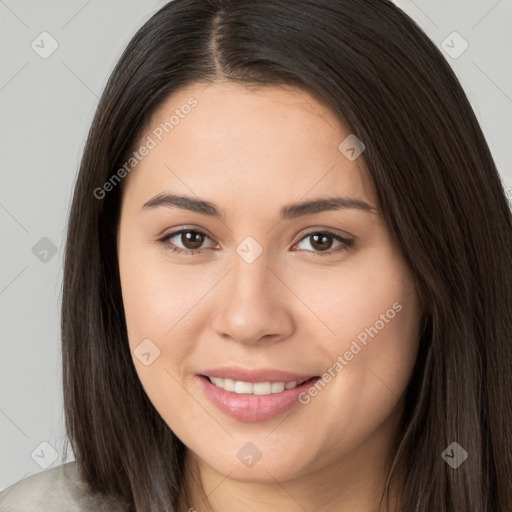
322,242
191,239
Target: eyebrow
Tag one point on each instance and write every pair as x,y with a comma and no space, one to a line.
291,211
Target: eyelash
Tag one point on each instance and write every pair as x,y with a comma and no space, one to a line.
347,244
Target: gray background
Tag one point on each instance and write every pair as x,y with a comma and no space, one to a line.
47,106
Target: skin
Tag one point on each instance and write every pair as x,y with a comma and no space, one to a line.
251,151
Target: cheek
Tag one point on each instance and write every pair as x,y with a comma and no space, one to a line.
379,359
158,295
368,371
350,298
374,312
381,325
158,301
162,302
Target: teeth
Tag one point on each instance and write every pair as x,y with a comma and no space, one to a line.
229,384
243,387
277,387
253,388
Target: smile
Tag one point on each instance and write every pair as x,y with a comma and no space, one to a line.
253,388
253,401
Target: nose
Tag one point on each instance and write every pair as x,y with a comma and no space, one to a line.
255,304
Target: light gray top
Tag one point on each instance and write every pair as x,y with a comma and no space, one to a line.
58,489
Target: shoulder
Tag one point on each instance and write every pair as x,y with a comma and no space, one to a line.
57,489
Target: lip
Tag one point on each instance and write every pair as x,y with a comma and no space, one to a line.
253,408
255,375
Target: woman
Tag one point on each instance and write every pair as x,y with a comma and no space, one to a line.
334,331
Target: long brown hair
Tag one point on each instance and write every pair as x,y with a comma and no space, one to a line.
441,196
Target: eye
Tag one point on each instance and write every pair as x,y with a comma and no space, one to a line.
321,242
193,239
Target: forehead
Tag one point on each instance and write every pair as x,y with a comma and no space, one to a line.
262,143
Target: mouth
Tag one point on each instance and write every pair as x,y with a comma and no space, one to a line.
253,401
255,388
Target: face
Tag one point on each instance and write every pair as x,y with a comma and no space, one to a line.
262,295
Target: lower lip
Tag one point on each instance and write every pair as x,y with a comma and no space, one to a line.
251,408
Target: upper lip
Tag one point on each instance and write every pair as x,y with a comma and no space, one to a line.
256,374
